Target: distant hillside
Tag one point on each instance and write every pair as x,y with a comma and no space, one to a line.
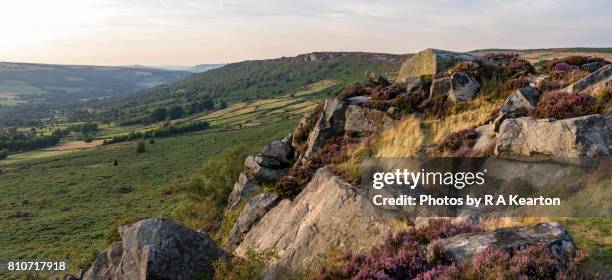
534,55
200,68
250,80
47,83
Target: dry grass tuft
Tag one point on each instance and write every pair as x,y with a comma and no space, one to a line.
404,140
478,115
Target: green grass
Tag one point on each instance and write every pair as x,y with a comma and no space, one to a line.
593,234
70,201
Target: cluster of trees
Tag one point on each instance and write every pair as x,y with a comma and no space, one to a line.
164,131
13,141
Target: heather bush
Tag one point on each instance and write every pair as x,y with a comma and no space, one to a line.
517,83
513,65
377,105
465,138
551,85
352,91
387,93
287,187
533,262
563,105
468,67
400,256
437,107
410,102
573,62
300,173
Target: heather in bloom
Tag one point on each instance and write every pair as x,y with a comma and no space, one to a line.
563,105
400,256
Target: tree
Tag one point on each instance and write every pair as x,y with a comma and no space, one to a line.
223,104
159,114
176,112
4,153
115,162
151,141
140,147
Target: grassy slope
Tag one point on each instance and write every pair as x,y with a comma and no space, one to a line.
250,80
72,199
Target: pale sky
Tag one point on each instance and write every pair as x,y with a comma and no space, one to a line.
188,32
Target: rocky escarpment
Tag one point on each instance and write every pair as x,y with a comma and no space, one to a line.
157,249
329,212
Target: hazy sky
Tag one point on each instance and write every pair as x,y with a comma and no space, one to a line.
153,32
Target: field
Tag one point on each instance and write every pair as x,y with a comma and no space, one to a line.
60,205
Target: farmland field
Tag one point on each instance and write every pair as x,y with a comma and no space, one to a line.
59,206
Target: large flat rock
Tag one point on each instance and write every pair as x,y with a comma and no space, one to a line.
431,62
587,136
463,247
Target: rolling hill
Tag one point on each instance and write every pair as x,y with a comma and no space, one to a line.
249,80
59,84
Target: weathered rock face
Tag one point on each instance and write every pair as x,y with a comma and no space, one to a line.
263,168
157,249
593,82
373,79
462,248
440,87
256,208
463,87
329,124
417,85
431,62
486,139
243,188
518,104
586,136
327,212
282,151
366,120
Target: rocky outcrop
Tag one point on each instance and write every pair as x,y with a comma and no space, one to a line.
157,249
518,104
462,248
431,62
463,87
328,212
243,188
486,139
586,136
264,168
417,85
440,87
256,208
281,150
366,120
329,124
373,79
273,162
593,82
